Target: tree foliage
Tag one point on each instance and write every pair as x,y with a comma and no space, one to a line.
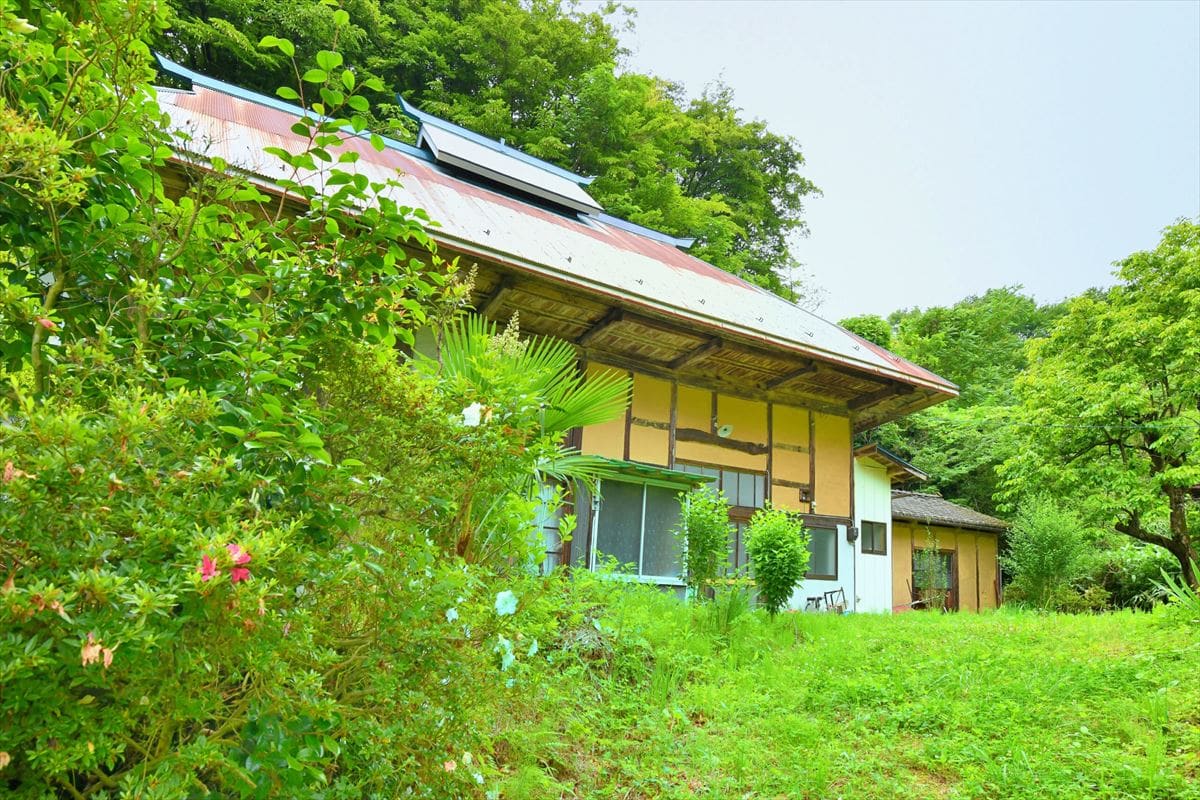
871,327
545,77
979,344
1112,401
1047,551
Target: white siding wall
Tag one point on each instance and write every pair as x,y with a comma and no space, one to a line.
872,502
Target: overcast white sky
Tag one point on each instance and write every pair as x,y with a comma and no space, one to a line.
960,146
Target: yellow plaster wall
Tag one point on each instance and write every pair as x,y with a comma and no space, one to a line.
976,589
988,566
968,581
901,555
649,445
831,489
720,456
790,425
608,439
748,418
651,398
694,409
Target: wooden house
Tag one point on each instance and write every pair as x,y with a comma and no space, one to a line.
730,382
946,549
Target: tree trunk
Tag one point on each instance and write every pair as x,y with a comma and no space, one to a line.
1181,537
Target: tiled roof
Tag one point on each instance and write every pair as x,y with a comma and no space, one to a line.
932,509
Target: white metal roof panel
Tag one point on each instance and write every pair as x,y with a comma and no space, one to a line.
461,152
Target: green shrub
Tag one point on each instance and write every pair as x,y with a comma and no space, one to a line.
1182,599
704,532
1047,552
777,546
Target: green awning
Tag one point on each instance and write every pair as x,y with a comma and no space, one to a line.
660,476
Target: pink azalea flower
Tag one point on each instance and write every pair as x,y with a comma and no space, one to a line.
240,558
238,555
208,568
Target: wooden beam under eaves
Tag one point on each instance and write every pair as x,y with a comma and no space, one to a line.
810,368
497,297
607,321
692,356
870,399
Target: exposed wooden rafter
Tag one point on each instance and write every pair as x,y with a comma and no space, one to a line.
497,297
692,356
809,368
871,398
614,316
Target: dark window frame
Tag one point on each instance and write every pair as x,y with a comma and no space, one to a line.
820,576
880,538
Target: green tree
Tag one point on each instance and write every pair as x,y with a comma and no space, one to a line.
871,327
979,344
777,546
1111,401
704,534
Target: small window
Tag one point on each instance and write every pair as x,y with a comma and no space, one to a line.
874,538
822,549
635,524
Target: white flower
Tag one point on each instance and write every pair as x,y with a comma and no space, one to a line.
506,603
451,614
504,648
467,758
533,648
472,414
478,777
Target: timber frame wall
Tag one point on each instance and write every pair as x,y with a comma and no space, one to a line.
805,453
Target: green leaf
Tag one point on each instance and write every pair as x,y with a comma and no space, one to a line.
341,17
287,93
232,431
328,60
315,76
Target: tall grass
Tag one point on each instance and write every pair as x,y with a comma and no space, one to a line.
719,701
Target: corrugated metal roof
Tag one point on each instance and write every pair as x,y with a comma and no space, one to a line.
617,262
932,509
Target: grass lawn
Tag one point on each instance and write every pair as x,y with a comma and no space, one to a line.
920,705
